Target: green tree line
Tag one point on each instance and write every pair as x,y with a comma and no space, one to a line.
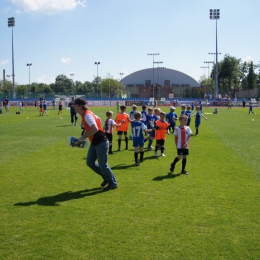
106,87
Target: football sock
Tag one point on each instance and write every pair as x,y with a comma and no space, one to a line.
156,148
175,161
119,143
145,140
197,131
183,164
110,148
150,142
141,156
126,142
162,149
136,156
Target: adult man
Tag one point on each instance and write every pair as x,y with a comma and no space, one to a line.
99,145
5,104
73,113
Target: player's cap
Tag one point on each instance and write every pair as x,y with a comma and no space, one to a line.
172,108
79,102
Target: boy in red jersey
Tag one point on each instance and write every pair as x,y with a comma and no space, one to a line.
161,127
122,117
108,128
182,135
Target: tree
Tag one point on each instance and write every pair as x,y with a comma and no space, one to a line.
251,77
22,90
112,88
63,85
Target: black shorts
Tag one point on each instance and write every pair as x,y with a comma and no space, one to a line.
109,137
183,151
160,142
121,132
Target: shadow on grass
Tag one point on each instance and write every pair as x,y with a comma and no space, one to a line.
63,125
164,177
65,196
122,166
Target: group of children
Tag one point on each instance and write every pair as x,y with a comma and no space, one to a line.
157,124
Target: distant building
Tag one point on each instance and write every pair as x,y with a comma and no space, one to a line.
161,82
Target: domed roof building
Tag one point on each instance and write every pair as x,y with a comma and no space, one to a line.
159,83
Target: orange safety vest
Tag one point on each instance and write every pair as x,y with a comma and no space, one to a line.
119,118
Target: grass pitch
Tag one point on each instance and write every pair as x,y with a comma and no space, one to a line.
52,206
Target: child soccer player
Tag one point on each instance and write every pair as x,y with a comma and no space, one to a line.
251,108
192,106
215,111
60,108
41,108
108,128
45,108
183,110
160,127
122,117
138,139
131,114
150,119
171,117
198,115
188,114
182,135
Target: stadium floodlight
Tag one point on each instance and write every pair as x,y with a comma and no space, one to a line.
11,23
214,14
97,63
29,65
204,69
209,62
121,74
153,54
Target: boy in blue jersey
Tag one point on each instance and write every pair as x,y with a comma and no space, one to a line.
192,106
198,115
200,106
171,117
150,119
131,114
188,114
183,109
144,113
251,108
45,108
138,139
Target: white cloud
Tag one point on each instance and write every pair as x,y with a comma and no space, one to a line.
65,60
4,62
248,59
48,6
42,79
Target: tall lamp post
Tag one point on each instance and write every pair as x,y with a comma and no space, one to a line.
71,77
121,74
8,76
97,63
209,62
11,23
204,69
153,54
29,65
214,14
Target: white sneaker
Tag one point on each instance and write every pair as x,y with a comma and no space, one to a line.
163,154
155,153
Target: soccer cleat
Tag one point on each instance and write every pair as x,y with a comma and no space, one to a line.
149,148
103,184
184,172
107,188
137,164
118,149
141,160
172,168
156,153
163,154
110,152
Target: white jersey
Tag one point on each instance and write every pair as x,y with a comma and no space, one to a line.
109,125
183,134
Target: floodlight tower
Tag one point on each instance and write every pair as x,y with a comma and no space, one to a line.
11,23
214,14
97,63
153,54
29,65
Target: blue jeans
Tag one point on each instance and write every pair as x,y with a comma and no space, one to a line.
99,153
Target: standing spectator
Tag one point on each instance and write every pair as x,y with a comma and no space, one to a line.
73,113
244,103
35,103
117,107
53,103
6,105
182,135
99,144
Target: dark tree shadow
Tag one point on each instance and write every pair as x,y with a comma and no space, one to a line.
69,195
168,176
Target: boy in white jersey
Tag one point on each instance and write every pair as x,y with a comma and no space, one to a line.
182,135
108,128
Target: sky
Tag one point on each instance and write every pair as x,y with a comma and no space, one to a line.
69,36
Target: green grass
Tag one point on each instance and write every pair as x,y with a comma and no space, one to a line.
52,206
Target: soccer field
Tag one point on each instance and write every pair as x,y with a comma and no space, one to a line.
52,206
